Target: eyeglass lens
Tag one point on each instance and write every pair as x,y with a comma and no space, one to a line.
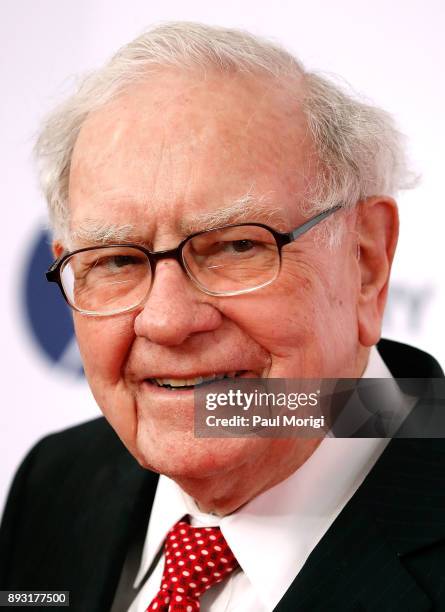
232,259
106,280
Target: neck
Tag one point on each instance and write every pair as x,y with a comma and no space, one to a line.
231,491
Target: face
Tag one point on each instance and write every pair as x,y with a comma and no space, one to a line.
170,151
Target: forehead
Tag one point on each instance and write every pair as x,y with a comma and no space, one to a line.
179,144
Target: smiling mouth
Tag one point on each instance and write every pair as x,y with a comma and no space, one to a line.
192,383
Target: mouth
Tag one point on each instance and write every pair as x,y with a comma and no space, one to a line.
183,384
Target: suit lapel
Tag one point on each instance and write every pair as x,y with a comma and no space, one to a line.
352,569
360,562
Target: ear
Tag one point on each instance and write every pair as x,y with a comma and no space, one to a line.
378,230
57,248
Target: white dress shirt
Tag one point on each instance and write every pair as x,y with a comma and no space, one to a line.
272,535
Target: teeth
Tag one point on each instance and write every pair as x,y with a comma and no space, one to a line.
192,382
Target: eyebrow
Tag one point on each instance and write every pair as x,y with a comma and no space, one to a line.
91,231
246,209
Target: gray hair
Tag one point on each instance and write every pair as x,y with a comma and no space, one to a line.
360,152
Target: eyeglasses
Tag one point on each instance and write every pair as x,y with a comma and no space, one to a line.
230,260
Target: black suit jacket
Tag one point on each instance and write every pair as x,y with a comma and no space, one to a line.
79,498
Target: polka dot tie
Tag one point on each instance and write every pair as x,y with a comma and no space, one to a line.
196,558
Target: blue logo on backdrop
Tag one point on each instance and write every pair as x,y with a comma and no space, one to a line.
48,314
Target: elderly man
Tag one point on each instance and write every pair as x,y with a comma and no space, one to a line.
220,212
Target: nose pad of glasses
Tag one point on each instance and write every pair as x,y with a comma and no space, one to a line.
166,265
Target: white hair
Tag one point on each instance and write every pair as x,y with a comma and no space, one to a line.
360,152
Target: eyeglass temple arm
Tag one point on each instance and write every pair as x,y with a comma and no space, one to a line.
309,224
51,274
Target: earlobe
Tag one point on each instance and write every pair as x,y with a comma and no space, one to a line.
377,226
57,248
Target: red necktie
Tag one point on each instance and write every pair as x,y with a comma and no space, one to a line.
196,558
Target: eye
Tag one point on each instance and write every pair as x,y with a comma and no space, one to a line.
100,264
119,261
241,246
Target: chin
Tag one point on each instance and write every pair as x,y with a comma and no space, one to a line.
187,457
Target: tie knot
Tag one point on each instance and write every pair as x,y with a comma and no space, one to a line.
196,558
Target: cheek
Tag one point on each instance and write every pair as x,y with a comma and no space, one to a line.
278,316
303,320
104,345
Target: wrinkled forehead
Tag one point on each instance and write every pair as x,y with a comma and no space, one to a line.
177,144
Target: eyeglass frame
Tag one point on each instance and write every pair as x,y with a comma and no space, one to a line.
53,274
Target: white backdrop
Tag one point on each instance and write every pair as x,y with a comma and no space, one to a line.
392,52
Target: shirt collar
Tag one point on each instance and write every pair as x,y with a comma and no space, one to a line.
170,504
384,398
376,367
168,507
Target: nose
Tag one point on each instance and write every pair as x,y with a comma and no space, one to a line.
175,309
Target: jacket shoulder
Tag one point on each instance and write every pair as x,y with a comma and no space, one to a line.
93,441
406,361
74,488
